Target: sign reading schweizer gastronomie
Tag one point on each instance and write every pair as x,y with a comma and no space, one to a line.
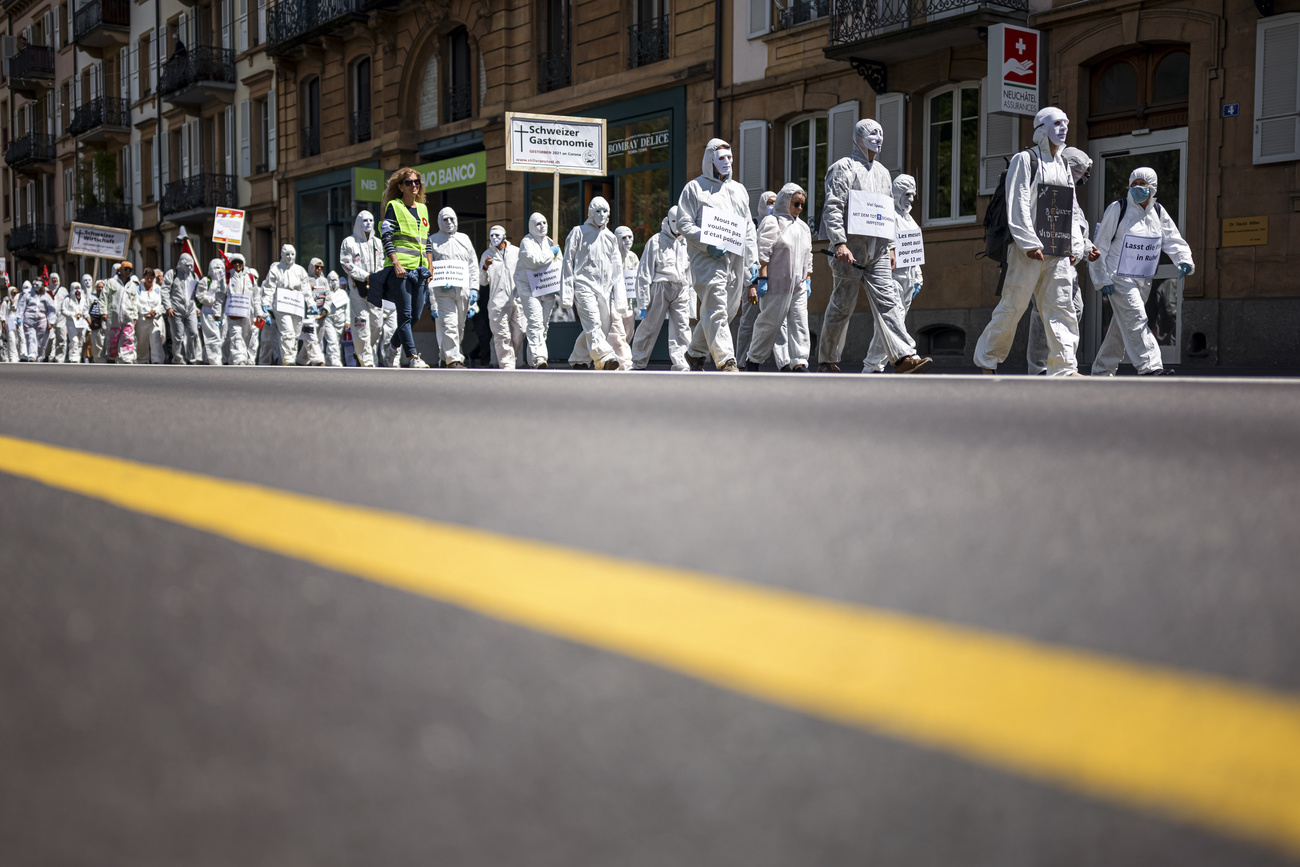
1013,70
104,242
551,143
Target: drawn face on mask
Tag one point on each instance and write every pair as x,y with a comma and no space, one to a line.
722,163
875,140
287,255
447,221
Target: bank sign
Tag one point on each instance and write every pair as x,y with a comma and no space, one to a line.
463,171
552,143
1014,70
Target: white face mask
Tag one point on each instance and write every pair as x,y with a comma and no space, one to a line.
625,243
599,215
722,162
904,201
287,255
367,224
539,227
1058,130
495,238
448,223
875,140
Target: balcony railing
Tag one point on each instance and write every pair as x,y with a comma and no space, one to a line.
101,111
289,22
30,149
854,20
200,192
201,63
33,237
553,71
647,42
359,126
310,141
802,12
32,63
117,214
100,13
458,103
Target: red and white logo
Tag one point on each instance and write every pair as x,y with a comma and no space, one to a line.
1020,56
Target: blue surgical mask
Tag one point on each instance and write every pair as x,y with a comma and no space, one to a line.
1140,194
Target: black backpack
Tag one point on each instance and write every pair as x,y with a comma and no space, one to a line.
997,232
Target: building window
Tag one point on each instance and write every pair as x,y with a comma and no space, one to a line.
554,67
459,101
310,115
952,159
648,35
801,12
359,125
806,159
429,94
1141,89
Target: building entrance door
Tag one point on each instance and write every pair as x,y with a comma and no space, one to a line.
1116,158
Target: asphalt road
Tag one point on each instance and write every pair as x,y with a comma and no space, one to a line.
169,697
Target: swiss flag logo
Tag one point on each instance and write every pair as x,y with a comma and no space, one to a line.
424,221
1020,57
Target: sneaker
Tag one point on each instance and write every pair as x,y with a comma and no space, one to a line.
456,365
911,364
828,367
417,363
695,362
610,363
752,366
1160,371
729,366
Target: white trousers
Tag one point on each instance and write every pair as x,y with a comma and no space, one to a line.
1036,351
537,313
210,327
781,313
671,301
149,341
238,334
1128,334
877,355
718,283
887,312
1048,283
449,326
592,345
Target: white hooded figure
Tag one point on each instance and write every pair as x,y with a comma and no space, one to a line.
75,311
662,280
336,311
283,292
56,345
373,326
150,332
211,315
1032,273
1138,216
452,301
1036,350
98,314
785,266
622,308
9,325
537,252
497,272
179,287
240,330
718,276
316,295
593,269
124,299
862,172
34,311
908,280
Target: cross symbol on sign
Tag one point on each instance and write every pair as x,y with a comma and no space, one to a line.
1020,46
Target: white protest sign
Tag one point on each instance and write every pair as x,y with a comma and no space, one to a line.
239,305
871,214
629,282
228,226
1139,256
450,272
720,229
103,242
910,250
338,301
545,281
555,143
289,302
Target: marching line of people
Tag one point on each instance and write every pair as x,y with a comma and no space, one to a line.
709,258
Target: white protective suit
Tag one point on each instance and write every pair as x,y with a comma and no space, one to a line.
452,303
593,270
718,281
75,312
622,327
239,329
178,289
10,328
212,316
497,273
362,254
337,311
536,253
908,280
150,332
1128,333
35,309
122,307
860,171
1036,350
286,277
56,343
316,295
1047,282
785,248
662,278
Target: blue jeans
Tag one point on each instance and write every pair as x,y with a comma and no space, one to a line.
409,294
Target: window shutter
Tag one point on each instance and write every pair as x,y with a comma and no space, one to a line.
1277,89
245,139
753,161
229,165
196,148
891,114
999,139
261,21
841,120
135,74
48,29
270,130
153,61
241,27
135,172
185,150
182,30
164,160
159,164
227,23
123,74
57,16
50,112
760,18
76,92
126,175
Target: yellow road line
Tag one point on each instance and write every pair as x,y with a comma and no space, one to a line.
1187,746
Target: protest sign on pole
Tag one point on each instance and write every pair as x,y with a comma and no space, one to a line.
98,242
557,144
228,226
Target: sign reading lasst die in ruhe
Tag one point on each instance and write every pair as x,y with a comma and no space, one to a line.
1014,75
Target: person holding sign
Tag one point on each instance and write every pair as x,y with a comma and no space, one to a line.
623,313
123,301
373,325
283,295
76,317
208,294
593,271
858,191
785,264
237,298
907,274
452,292
178,288
714,218
1045,244
1131,237
497,272
537,286
662,278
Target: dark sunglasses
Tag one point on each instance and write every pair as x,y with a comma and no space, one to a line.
412,182
798,205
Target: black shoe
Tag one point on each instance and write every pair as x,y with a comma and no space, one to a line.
541,365
695,362
752,366
1164,371
799,368
828,367
579,366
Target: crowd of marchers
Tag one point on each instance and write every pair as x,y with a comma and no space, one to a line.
685,274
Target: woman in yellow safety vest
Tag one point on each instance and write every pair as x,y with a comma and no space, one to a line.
405,236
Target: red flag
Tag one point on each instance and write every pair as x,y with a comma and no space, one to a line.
225,260
45,275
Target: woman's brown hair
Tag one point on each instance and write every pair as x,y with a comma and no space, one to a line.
394,189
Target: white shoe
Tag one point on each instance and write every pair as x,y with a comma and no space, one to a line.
417,363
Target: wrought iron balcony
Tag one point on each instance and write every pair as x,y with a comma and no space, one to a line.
198,193
100,115
32,149
359,126
32,69
291,22
198,75
458,103
647,42
116,214
856,20
310,141
33,238
554,71
101,23
802,12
